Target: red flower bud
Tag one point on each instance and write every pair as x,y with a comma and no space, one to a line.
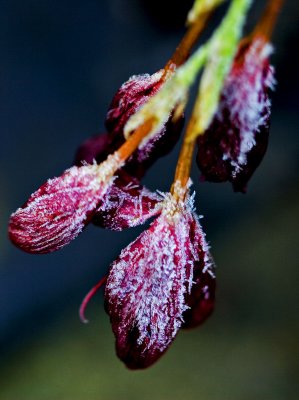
236,141
127,100
58,211
148,285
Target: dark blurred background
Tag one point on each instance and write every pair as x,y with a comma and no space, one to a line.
61,63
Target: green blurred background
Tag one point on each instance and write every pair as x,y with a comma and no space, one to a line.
61,64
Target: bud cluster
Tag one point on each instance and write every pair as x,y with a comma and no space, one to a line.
165,279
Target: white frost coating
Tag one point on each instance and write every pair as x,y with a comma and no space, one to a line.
56,213
122,208
108,167
147,285
245,96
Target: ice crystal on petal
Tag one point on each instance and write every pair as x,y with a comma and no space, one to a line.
148,284
129,97
58,211
126,204
201,300
236,141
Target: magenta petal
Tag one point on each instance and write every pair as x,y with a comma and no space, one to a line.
236,141
148,284
58,211
202,297
126,204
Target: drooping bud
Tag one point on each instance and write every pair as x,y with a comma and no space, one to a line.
58,211
236,141
127,100
148,285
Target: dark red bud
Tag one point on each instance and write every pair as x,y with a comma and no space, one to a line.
58,211
127,100
149,283
236,141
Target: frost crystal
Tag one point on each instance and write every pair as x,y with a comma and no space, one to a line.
58,211
126,204
148,284
129,98
236,141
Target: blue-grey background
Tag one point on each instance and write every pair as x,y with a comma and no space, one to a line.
61,62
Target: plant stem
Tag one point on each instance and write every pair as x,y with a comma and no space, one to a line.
183,50
134,140
179,56
183,168
267,22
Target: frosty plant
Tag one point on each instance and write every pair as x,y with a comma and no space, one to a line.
165,279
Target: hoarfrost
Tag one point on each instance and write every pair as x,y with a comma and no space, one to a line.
58,211
147,285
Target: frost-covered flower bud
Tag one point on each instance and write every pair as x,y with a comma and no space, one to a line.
127,100
58,211
234,144
149,284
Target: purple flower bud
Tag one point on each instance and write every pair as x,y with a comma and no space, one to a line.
58,211
236,141
127,100
149,284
